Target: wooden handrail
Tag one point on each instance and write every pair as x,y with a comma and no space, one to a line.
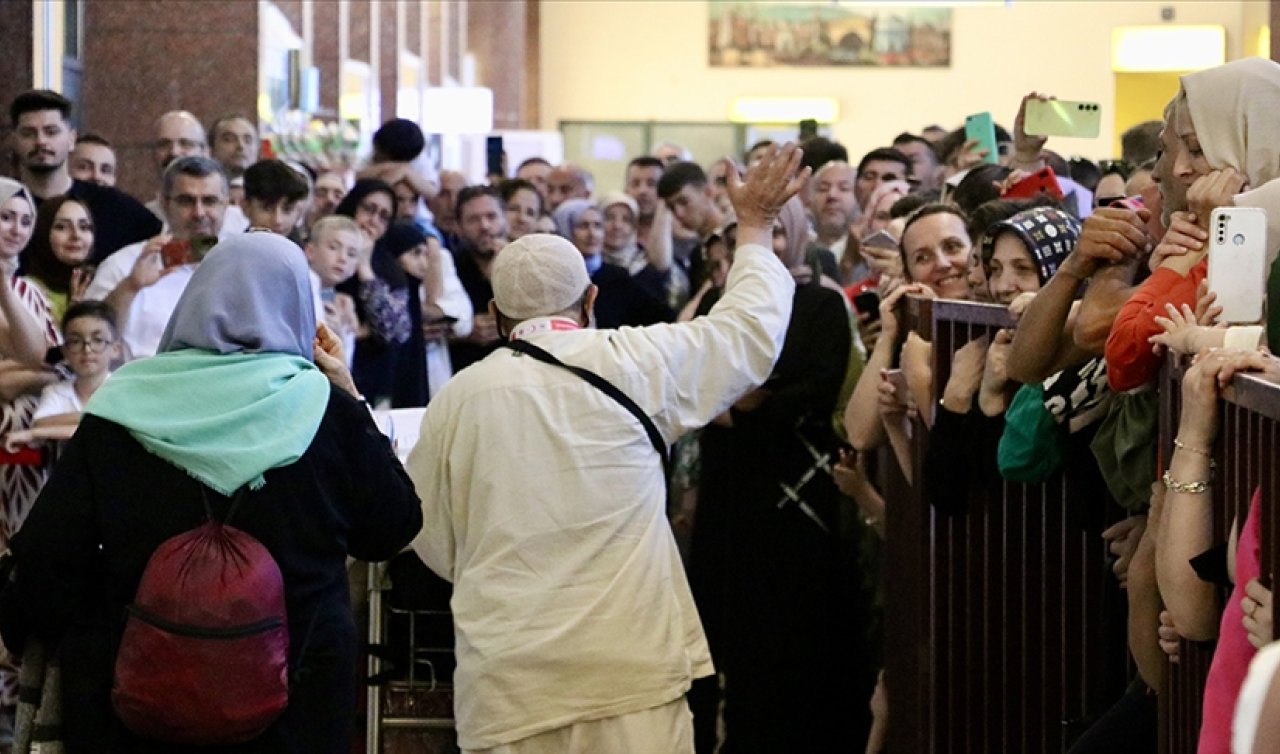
1004,631
1004,616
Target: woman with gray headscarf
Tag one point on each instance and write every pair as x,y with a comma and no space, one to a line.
235,404
765,564
620,300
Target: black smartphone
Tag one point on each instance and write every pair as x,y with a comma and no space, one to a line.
493,156
868,303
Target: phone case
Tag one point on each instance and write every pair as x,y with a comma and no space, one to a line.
881,240
1238,262
493,155
867,302
898,379
1043,181
981,127
175,253
1060,117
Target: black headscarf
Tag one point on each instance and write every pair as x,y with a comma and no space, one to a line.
38,259
409,377
384,265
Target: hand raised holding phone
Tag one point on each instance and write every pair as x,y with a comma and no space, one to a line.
149,267
1027,147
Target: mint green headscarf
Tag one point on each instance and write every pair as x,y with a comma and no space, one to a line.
233,392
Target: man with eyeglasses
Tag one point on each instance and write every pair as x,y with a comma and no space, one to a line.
140,282
42,140
180,134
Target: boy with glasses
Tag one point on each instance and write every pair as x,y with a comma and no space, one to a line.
92,345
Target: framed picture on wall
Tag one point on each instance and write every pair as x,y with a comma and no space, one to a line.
763,34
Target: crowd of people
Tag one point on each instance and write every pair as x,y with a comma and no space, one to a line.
751,313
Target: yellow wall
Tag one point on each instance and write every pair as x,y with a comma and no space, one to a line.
647,60
1139,97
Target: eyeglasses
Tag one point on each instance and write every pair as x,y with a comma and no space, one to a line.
187,145
187,201
1123,167
92,345
378,212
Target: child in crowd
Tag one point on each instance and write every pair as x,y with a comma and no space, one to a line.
333,252
276,196
92,345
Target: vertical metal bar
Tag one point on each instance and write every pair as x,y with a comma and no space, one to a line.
373,695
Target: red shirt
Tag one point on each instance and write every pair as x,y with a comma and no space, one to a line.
1130,361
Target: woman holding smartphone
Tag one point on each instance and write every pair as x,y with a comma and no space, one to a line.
935,250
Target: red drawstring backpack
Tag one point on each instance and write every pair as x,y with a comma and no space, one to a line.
204,658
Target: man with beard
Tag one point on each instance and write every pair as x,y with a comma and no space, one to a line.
643,174
42,139
135,281
482,227
234,142
575,627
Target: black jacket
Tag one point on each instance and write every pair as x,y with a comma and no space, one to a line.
109,503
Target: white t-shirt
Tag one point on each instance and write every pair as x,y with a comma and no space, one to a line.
58,398
151,308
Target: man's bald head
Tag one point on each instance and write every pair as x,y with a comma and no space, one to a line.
568,181
178,134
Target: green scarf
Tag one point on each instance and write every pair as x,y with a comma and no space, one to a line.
223,418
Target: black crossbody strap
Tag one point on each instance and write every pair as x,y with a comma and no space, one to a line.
609,389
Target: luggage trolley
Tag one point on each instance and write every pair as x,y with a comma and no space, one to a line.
411,659
410,697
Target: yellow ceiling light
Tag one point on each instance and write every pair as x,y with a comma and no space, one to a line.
1151,49
784,109
1264,42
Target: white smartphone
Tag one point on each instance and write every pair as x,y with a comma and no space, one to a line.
1238,262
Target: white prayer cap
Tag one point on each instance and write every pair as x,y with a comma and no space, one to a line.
538,275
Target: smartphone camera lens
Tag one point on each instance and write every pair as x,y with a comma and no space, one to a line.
1238,239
